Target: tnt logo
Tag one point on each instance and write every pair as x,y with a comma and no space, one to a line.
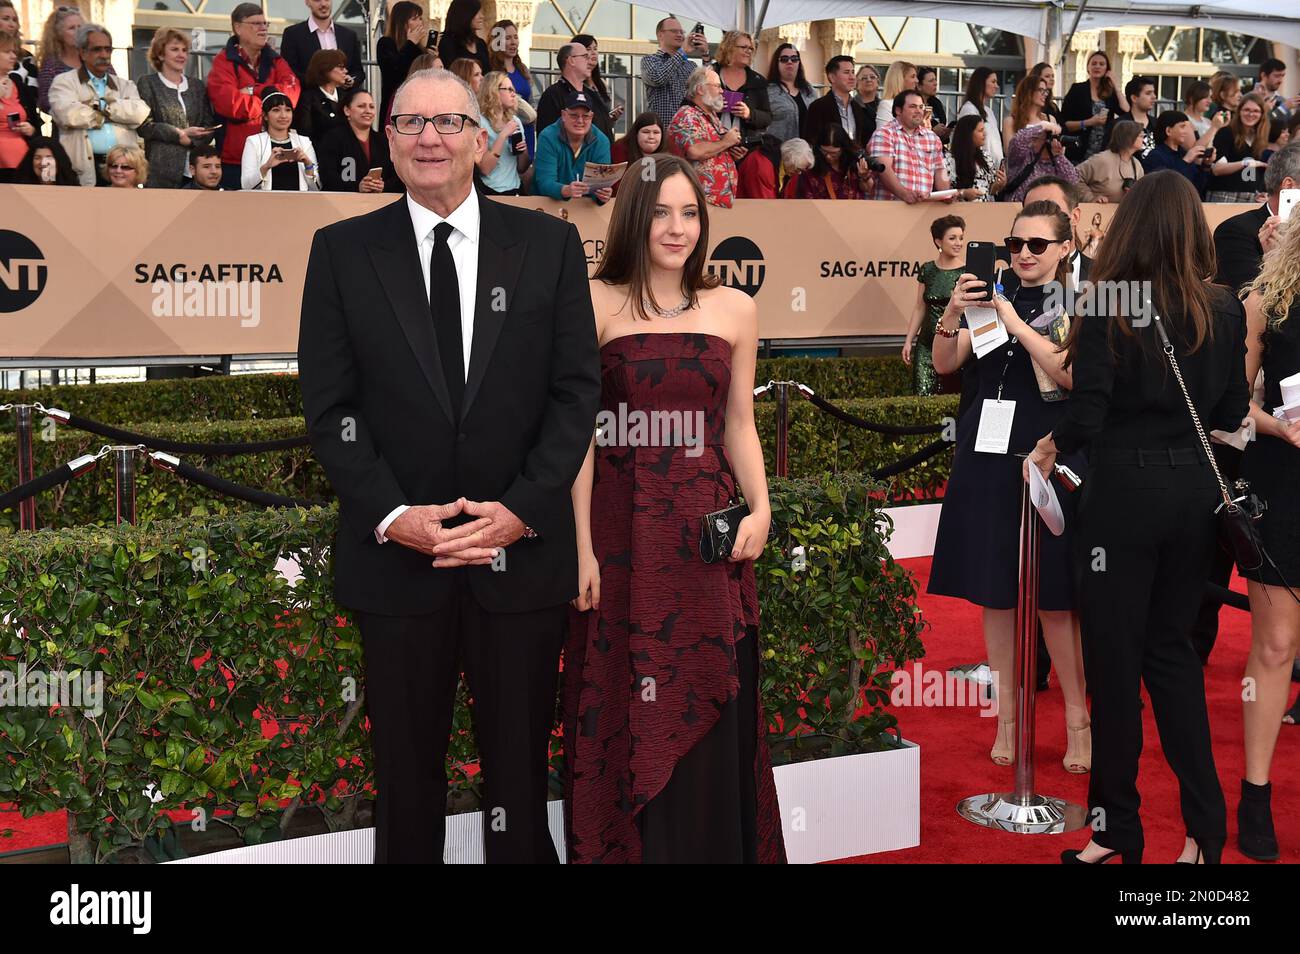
739,263
22,272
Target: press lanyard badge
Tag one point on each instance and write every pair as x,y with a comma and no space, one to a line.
994,433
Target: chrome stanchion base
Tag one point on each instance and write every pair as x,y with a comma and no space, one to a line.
1035,815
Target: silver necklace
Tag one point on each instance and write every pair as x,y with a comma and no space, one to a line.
667,312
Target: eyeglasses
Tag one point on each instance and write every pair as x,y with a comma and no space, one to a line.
788,59
447,124
1037,246
122,167
505,89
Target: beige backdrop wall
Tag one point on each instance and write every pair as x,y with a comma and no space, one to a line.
106,273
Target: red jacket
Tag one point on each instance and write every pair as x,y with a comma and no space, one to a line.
230,76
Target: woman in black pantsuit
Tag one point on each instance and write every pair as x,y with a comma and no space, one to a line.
1146,527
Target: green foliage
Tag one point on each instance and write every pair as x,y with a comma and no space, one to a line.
836,620
242,397
88,499
234,692
237,397
839,379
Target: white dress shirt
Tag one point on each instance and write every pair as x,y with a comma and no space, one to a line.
463,243
326,36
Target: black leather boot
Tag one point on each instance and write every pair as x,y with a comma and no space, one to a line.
1255,835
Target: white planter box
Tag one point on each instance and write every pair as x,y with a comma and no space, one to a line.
830,809
851,805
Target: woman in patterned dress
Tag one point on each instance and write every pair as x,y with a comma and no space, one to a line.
664,734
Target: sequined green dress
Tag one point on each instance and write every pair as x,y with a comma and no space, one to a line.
937,287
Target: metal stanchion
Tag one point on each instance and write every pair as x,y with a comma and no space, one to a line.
26,468
1023,810
124,480
782,427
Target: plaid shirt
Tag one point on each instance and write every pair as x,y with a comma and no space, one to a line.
665,75
717,174
916,159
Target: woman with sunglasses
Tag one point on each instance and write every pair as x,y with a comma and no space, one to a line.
788,93
1023,386
1146,525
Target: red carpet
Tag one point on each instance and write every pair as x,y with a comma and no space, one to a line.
955,743
954,759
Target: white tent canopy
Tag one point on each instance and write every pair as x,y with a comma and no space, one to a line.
1277,20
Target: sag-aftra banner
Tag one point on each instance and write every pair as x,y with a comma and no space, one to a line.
88,273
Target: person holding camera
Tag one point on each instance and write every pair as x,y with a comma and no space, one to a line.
278,159
507,153
970,168
1036,151
1176,149
697,133
839,170
666,71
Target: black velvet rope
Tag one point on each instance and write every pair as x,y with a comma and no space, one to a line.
907,463
239,491
184,447
59,475
899,429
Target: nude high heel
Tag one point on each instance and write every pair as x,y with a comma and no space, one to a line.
1004,745
1078,749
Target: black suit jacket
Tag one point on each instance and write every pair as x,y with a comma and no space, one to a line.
1236,243
343,162
299,44
823,111
379,413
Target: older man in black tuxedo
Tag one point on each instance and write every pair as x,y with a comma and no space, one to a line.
451,379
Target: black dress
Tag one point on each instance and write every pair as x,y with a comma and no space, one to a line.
976,550
1273,466
394,63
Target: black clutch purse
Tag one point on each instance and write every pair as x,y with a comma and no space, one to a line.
718,531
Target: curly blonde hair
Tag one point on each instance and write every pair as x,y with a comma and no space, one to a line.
132,155
1278,281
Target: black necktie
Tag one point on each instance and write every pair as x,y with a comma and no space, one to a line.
444,306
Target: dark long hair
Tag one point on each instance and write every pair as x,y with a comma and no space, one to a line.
457,21
399,17
774,68
967,158
975,89
598,81
1161,237
832,134
1105,88
64,174
627,252
497,58
633,144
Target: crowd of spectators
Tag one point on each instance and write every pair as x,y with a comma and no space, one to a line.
300,118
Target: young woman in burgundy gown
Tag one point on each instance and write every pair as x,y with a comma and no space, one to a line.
664,734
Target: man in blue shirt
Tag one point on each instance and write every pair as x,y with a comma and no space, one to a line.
565,148
1176,149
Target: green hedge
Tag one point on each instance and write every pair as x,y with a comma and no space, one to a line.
230,691
818,444
237,397
88,499
246,396
841,378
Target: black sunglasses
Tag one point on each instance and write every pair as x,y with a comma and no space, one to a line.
788,59
1037,246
